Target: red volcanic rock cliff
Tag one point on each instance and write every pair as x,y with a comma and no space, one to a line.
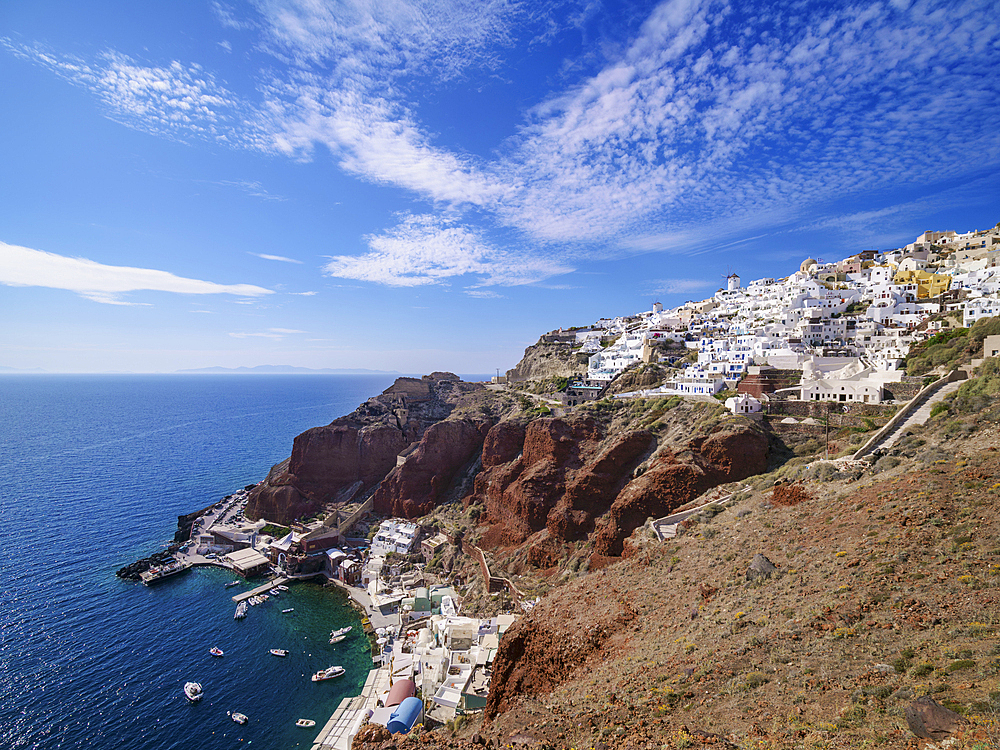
573,478
361,447
415,488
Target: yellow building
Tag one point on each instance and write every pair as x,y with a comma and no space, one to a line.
928,284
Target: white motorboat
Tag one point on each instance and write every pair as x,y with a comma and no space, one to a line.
241,611
231,584
216,651
338,638
328,674
341,631
279,651
305,723
237,717
193,691
286,611
282,587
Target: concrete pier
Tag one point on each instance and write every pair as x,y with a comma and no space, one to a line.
336,733
260,589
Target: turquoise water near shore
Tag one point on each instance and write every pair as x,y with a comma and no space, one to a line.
96,470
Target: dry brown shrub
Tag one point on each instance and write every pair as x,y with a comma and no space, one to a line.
789,494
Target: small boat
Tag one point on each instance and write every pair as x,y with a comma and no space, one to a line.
305,723
279,651
286,611
237,717
216,651
338,638
241,611
341,631
193,691
328,674
274,592
282,587
231,584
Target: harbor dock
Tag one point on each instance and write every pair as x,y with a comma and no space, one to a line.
338,732
260,589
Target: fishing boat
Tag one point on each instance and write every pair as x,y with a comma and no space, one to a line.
279,651
328,674
193,691
216,651
237,717
305,723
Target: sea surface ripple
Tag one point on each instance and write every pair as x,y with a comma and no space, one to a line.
96,470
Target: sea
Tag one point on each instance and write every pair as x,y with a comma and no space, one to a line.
95,471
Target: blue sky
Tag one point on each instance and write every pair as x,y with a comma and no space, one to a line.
430,185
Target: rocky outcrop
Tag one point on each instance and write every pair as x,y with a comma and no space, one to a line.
548,360
546,647
418,485
576,479
636,378
361,447
674,479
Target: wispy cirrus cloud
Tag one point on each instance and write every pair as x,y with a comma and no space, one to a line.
729,118
171,99
22,266
280,258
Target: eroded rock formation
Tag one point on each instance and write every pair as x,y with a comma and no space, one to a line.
574,478
416,487
361,447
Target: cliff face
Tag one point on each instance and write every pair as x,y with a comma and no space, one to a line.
416,488
361,447
573,478
548,360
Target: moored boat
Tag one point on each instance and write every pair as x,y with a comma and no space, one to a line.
341,631
305,723
193,691
282,587
328,674
279,651
216,651
241,611
338,638
159,572
237,717
231,584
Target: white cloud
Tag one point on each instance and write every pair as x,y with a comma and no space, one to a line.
22,266
425,249
729,118
483,294
281,258
285,330
304,294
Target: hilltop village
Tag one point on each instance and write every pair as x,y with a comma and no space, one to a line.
843,328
